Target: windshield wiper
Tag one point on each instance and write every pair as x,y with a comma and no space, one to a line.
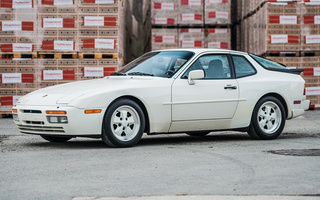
118,74
140,74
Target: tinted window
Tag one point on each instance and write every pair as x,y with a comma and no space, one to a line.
242,66
159,64
267,63
214,66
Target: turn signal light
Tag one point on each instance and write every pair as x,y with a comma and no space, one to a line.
92,111
304,91
56,112
14,110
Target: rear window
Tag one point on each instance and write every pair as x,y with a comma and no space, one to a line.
268,64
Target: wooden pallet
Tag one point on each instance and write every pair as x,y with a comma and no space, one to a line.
56,55
30,55
96,55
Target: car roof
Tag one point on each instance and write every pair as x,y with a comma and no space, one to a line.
203,50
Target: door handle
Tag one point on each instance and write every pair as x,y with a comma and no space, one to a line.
230,87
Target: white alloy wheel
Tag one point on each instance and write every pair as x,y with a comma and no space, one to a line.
269,117
125,123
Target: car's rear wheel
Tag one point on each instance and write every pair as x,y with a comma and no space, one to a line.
268,119
58,139
123,124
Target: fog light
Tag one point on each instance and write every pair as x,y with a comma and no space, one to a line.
15,117
58,119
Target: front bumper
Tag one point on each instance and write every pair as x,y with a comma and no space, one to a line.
34,120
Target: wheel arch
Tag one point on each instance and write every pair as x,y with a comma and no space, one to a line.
281,99
142,106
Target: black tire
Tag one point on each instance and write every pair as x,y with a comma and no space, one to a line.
198,134
123,124
268,119
57,139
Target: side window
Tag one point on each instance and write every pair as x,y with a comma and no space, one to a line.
214,66
242,66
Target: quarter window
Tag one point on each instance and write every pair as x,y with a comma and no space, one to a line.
242,66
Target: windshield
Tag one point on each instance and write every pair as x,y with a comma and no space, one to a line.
158,64
267,63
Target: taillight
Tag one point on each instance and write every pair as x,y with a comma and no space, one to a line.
304,90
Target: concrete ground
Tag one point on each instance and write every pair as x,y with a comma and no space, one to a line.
222,166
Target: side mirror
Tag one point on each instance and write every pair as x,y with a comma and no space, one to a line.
195,75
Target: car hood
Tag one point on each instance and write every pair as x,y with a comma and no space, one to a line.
65,93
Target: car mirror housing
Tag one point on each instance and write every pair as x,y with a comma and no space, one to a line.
195,75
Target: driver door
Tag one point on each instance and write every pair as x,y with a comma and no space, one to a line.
214,97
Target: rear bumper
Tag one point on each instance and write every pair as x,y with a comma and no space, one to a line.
304,106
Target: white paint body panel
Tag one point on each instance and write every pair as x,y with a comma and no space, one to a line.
172,104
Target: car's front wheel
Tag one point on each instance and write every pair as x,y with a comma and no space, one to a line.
123,124
268,119
58,139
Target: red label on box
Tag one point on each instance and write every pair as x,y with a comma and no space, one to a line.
164,6
9,100
99,44
16,3
283,19
219,15
58,45
165,39
58,75
160,20
191,2
16,48
218,30
16,78
190,44
100,1
58,2
278,39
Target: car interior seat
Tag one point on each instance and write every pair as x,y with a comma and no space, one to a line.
215,69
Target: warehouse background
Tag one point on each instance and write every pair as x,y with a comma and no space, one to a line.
48,42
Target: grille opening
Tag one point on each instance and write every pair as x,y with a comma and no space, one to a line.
32,111
35,122
40,129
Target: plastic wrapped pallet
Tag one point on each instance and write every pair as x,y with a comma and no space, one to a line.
218,38
164,39
191,38
310,28
18,29
57,22
18,45
164,12
190,12
98,26
217,12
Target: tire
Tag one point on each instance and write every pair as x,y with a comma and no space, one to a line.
123,124
57,139
268,119
198,134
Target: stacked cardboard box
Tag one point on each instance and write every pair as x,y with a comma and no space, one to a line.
48,42
191,24
286,28
18,45
217,12
311,65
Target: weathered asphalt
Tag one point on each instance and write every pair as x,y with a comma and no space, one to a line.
223,165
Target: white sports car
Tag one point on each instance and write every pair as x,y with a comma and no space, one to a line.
193,91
